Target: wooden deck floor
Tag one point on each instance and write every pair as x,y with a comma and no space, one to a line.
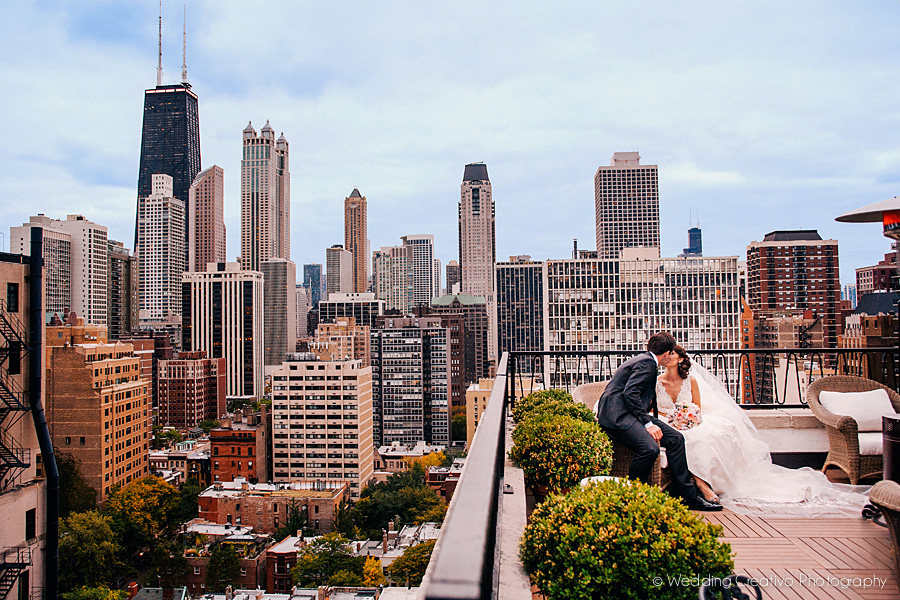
822,557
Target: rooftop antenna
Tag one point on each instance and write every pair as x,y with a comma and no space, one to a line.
183,46
159,66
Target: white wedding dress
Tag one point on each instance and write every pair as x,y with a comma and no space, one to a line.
726,451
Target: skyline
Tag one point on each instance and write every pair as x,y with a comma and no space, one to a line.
750,117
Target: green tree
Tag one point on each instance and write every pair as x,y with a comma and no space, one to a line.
373,574
223,569
140,510
403,496
207,425
169,563
409,567
322,559
186,506
94,593
458,427
89,553
345,578
296,521
75,495
343,522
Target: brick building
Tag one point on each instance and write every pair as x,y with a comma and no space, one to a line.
190,390
265,507
201,539
342,339
239,447
880,277
98,405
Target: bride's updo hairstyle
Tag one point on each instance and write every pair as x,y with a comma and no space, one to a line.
684,362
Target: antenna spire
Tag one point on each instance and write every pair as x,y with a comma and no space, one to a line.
159,65
184,47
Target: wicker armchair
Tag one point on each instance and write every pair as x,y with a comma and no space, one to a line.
886,496
588,394
843,432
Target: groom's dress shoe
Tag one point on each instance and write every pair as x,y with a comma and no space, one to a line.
701,503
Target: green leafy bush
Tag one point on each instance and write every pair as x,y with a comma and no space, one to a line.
621,539
536,399
558,451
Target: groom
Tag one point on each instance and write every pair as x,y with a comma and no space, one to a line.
623,414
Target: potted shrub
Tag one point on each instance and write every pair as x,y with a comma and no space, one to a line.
536,399
621,539
557,451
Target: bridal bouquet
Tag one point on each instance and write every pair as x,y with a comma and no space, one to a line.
686,416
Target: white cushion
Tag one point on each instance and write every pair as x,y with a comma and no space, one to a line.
663,459
871,444
866,408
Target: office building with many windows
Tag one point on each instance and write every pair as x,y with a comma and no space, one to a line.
626,205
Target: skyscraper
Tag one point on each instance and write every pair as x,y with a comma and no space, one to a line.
695,242
356,238
313,281
279,309
453,277
223,315
520,305
159,248
626,204
206,214
478,243
339,270
57,252
265,198
123,291
170,137
422,268
392,274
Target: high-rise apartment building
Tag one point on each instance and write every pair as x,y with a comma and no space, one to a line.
392,275
453,277
364,308
339,271
223,315
341,340
323,434
77,250
411,380
315,283
626,204
279,308
98,404
422,268
478,243
170,141
122,316
473,310
437,278
160,251
206,215
520,305
792,272
23,483
265,198
849,294
356,238
190,390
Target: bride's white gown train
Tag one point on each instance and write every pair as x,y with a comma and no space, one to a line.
726,451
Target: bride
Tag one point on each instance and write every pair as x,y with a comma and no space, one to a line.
725,453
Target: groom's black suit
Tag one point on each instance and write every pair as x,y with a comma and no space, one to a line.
623,413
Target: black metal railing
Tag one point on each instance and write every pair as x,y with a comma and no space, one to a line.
757,378
464,563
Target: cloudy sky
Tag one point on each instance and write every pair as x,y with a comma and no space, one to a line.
761,115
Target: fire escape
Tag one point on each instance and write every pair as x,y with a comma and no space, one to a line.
13,405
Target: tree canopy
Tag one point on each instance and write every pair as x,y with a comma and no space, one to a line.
324,558
404,496
89,553
223,569
140,510
94,593
373,574
75,495
409,567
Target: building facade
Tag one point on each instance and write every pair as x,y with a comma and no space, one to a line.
314,282
170,142
57,251
473,310
421,269
626,205
265,198
322,422
356,238
122,315
98,405
302,300
393,278
206,214
520,305
341,340
223,316
239,448
453,278
339,271
880,277
190,390
364,308
279,309
160,249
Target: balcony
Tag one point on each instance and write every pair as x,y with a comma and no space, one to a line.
835,556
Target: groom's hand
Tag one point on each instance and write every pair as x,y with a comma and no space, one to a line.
655,432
